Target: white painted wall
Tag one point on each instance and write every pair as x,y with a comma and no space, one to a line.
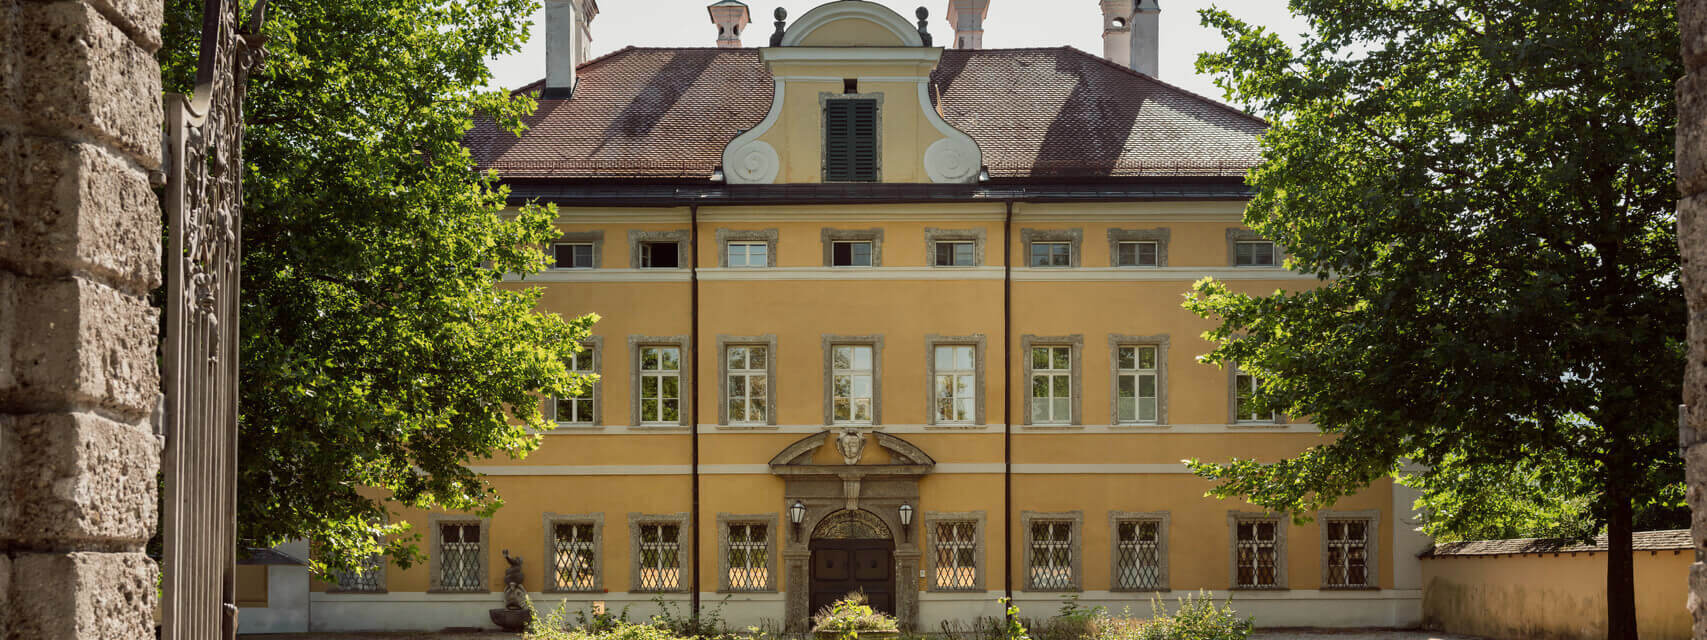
287,607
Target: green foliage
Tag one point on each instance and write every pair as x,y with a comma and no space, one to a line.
682,622
1489,185
669,624
1195,618
851,615
379,353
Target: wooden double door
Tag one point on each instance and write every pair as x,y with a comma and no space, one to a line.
840,567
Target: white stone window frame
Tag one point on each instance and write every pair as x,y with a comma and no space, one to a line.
979,381
724,343
1076,348
978,521
1162,519
638,238
684,550
1073,237
592,347
725,544
1234,518
435,574
684,382
594,238
1159,236
875,342
974,236
336,585
549,558
1371,547
1235,237
1160,343
1076,549
1234,417
829,237
726,237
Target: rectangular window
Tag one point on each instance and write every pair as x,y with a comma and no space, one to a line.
747,384
1257,553
954,254
1137,254
1348,553
1254,254
660,561
956,384
1245,389
851,376
1138,555
1136,368
1051,254
578,408
749,563
1052,385
459,557
572,255
850,140
659,255
660,385
850,254
1051,554
956,549
749,254
573,555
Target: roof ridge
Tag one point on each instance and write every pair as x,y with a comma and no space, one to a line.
1195,95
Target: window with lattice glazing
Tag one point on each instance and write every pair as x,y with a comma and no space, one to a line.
748,380
1136,368
660,385
851,380
578,408
1257,554
1051,554
749,557
1052,385
1138,554
366,576
956,380
956,549
459,557
573,555
1348,553
660,561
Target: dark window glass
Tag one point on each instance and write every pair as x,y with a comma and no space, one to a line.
572,256
954,254
850,254
659,255
1254,254
850,141
1051,254
1137,254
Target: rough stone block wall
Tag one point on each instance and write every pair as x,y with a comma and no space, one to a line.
1692,241
80,235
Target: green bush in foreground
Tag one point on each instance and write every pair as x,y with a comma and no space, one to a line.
850,616
1198,618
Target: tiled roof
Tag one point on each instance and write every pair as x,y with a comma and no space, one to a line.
1642,541
264,556
667,113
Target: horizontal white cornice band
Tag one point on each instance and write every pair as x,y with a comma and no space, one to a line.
1134,429
1020,274
762,469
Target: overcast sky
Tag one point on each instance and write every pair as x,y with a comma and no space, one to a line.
1011,23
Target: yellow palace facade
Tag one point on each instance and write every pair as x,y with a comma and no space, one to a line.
895,317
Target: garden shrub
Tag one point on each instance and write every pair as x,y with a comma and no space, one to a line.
852,615
1197,618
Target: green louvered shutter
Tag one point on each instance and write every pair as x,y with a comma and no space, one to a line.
850,141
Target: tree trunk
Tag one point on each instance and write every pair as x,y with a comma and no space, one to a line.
1620,562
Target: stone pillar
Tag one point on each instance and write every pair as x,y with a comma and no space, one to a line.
80,237
1692,240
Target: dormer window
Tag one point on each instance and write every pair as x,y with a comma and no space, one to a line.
850,140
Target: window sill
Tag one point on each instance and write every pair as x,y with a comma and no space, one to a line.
659,427
956,427
1257,425
747,427
1134,426
457,591
1053,427
1351,588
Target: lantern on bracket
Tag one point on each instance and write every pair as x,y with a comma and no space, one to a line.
906,521
796,514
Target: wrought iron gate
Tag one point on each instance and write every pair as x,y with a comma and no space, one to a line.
203,202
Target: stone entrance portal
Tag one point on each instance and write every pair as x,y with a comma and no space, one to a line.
851,536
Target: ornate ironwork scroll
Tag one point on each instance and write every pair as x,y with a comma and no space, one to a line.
203,201
852,524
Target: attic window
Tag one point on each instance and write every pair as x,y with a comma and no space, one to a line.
850,140
850,85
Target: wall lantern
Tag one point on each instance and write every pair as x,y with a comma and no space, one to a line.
906,521
797,513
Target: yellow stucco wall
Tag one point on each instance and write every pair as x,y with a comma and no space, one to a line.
251,585
1553,596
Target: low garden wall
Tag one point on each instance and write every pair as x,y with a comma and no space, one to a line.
1512,589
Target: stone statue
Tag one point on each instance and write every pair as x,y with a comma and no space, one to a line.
851,444
516,612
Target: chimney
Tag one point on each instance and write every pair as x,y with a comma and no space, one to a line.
1117,31
568,39
731,18
1146,35
967,16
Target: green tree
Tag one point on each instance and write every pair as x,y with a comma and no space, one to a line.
1485,189
380,353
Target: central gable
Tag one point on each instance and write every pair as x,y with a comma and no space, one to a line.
852,23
